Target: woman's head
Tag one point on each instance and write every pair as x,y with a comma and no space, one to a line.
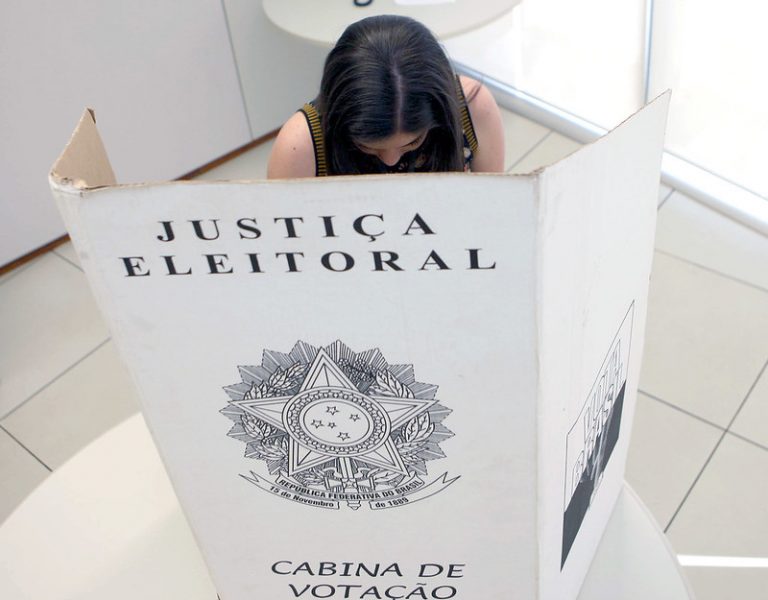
388,96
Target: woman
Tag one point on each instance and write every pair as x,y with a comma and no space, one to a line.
389,102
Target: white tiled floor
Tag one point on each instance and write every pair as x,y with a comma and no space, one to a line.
52,320
549,150
707,338
658,431
53,425
699,454
698,234
751,422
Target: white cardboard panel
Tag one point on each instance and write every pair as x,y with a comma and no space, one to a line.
368,369
597,222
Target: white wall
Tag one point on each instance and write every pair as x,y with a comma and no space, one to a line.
172,90
160,75
278,72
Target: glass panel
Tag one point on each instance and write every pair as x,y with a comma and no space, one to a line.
583,57
713,56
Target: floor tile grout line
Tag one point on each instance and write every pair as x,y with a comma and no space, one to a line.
717,445
531,149
664,200
711,270
746,439
695,481
702,419
749,393
54,380
682,410
32,454
65,259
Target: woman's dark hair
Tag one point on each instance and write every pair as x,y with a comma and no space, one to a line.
388,75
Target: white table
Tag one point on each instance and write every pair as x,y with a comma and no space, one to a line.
107,525
323,21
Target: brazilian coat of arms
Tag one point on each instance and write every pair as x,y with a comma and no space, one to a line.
338,427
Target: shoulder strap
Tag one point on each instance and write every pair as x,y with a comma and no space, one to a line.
466,119
313,120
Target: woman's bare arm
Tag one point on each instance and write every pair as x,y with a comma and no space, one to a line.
293,154
486,119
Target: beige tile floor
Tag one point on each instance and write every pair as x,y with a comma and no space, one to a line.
699,453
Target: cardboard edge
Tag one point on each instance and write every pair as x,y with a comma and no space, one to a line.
540,184
666,95
83,164
66,185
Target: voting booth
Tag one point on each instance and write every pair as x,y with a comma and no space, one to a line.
400,386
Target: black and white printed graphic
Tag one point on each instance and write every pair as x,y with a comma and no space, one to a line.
592,438
334,426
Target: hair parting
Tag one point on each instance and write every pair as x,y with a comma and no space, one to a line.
388,75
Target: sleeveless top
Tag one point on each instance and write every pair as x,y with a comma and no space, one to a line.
318,141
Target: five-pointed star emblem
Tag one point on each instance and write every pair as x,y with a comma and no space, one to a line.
324,374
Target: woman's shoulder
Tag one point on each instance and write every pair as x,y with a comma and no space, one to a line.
480,101
293,154
486,121
469,85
